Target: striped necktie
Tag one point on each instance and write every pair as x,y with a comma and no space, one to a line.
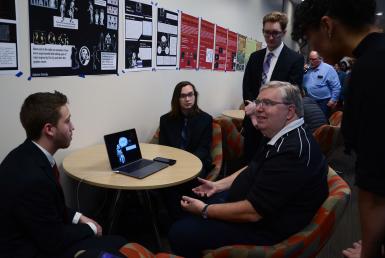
184,133
266,67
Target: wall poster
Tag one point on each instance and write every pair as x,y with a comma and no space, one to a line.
8,37
251,46
71,37
206,48
167,39
231,56
220,48
189,42
138,35
241,53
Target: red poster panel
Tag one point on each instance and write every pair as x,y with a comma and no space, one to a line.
206,39
231,57
189,42
220,48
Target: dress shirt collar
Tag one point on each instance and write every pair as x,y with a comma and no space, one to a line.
47,154
289,127
276,52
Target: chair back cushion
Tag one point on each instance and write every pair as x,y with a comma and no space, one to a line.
336,118
232,138
216,152
328,137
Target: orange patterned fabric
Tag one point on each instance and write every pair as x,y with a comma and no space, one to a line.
309,241
216,150
134,250
232,139
328,137
336,118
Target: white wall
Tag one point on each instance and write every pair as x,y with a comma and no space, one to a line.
104,104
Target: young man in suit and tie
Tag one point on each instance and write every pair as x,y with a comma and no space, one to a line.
34,220
276,62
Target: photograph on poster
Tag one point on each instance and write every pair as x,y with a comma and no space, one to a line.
167,39
72,37
206,41
138,35
241,53
8,37
189,42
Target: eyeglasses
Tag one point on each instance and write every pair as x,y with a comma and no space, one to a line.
268,102
188,95
274,34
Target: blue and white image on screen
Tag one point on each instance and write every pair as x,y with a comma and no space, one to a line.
123,142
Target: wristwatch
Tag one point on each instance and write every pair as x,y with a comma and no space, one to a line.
205,212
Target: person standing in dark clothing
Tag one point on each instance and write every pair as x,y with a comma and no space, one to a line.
338,28
276,62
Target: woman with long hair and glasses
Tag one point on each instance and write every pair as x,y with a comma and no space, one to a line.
189,128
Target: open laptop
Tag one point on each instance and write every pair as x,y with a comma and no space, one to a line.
125,157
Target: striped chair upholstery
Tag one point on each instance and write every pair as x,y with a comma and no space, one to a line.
309,241
216,150
336,118
232,139
328,137
232,144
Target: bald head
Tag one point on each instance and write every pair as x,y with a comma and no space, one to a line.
315,59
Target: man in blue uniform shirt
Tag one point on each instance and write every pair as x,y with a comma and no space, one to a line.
321,83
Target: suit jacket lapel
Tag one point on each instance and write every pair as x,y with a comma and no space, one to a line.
259,66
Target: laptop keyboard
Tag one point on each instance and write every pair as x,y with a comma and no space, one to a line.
137,165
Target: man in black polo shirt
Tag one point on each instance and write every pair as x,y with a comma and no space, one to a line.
274,197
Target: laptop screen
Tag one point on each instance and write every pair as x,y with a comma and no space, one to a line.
122,148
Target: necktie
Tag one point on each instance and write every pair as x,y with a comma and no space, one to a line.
266,67
183,142
56,173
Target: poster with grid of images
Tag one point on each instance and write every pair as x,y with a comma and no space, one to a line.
73,37
8,37
138,35
167,39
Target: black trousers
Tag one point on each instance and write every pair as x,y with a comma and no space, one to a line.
190,236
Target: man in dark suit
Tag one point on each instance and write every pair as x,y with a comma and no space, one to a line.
34,219
189,128
275,63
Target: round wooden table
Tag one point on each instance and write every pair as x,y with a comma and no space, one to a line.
90,165
235,113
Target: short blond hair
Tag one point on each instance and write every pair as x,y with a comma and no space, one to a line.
276,17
